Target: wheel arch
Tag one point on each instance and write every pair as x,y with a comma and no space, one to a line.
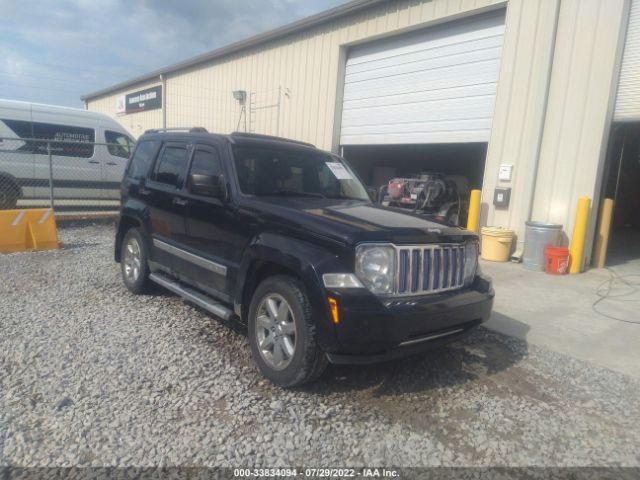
273,254
125,223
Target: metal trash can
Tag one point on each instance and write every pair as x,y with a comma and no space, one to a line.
538,235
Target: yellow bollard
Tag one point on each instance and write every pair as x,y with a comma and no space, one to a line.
602,237
474,210
579,235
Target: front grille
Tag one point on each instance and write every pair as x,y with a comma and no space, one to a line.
430,269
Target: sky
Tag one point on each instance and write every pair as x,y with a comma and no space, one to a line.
57,50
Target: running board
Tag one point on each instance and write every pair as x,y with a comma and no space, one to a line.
192,295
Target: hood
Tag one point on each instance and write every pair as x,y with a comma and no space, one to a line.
354,221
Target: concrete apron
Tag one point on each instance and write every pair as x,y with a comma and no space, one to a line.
562,313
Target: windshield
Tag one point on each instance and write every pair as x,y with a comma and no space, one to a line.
290,171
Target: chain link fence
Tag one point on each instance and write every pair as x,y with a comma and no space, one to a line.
72,177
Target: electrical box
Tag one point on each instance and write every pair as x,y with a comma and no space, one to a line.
501,196
504,173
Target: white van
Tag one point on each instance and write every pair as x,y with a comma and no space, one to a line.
80,170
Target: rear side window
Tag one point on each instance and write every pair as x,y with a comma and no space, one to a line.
142,159
119,144
69,141
206,162
171,166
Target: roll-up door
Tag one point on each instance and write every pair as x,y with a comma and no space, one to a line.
628,97
437,85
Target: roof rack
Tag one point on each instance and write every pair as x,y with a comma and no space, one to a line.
259,136
178,129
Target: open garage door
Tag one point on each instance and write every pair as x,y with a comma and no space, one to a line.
628,95
433,86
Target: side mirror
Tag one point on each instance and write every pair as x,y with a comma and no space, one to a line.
208,185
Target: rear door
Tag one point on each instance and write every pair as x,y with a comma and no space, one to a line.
211,228
166,203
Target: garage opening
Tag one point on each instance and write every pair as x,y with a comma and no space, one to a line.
621,180
463,162
417,112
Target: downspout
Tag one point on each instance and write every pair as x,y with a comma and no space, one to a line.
163,79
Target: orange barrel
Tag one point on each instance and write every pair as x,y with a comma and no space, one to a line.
556,260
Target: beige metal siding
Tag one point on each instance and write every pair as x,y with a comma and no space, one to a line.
518,118
580,107
302,67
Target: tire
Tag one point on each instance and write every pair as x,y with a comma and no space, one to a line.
307,362
133,257
9,194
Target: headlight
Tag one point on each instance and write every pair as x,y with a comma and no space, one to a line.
376,266
470,262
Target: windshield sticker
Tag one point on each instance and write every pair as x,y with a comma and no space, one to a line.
339,171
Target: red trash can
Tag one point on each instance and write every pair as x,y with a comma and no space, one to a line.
556,260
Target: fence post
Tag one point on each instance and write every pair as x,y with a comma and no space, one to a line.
50,175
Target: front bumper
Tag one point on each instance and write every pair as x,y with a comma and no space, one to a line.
374,329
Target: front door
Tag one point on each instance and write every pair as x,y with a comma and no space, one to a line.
167,206
116,153
210,229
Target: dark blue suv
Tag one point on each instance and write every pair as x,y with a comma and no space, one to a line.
284,238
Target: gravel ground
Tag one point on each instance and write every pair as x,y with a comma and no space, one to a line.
92,375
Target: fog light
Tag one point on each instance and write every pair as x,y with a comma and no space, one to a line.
333,306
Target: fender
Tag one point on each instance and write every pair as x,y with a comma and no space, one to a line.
309,261
132,211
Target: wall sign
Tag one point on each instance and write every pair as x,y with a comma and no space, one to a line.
147,99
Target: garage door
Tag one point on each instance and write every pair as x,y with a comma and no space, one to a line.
433,86
628,98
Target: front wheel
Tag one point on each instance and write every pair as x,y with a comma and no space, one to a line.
282,333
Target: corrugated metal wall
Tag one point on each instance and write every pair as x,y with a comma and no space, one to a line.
523,87
580,107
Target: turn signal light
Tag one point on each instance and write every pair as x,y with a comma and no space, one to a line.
333,306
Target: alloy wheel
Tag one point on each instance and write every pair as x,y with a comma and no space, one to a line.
275,331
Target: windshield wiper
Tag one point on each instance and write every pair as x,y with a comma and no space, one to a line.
292,193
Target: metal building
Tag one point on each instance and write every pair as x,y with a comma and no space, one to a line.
539,96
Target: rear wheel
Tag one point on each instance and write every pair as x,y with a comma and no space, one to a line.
134,262
9,194
282,333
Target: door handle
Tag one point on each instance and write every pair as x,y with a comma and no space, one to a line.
180,201
111,163
93,161
143,191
